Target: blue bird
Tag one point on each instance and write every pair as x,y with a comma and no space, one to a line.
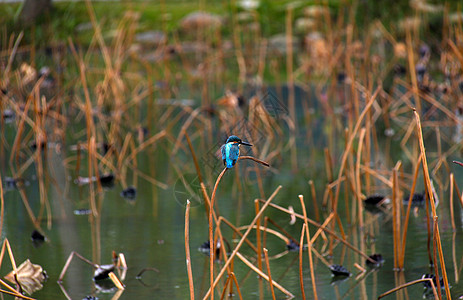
231,150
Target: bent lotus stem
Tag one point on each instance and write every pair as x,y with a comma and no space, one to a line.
211,208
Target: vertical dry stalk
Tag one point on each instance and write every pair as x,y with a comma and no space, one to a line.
396,218
309,247
436,266
267,263
211,234
407,215
328,165
258,241
358,180
301,248
460,196
452,215
454,257
263,275
431,201
411,64
237,285
187,250
351,140
314,201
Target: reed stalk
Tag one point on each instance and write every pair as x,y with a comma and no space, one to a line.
401,261
240,243
409,284
237,285
327,230
431,201
309,248
452,215
358,179
265,276
314,200
258,237
301,248
270,281
211,234
351,140
396,216
187,250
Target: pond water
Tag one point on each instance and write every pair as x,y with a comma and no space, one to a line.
149,230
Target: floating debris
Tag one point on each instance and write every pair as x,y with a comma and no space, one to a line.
292,246
425,51
378,258
420,72
399,70
205,248
84,180
37,237
389,132
341,77
427,284
90,298
30,276
82,211
339,270
418,199
107,180
129,193
48,80
102,272
10,183
8,115
376,200
34,146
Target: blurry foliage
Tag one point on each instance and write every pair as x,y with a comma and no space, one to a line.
65,17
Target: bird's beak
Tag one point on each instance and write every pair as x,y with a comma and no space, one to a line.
245,143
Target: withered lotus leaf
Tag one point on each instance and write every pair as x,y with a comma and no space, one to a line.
30,276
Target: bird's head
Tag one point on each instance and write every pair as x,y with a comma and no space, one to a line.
237,140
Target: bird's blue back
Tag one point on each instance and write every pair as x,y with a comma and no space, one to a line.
230,154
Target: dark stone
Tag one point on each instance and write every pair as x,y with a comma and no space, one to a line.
374,200
129,193
428,285
399,70
241,101
417,199
107,180
339,270
37,236
378,258
341,77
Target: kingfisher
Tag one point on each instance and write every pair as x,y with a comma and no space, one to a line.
231,150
